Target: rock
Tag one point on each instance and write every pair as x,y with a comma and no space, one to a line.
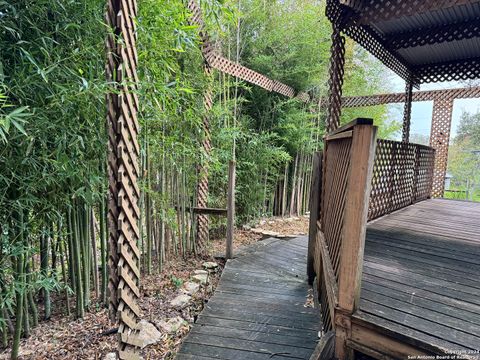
271,222
110,356
200,278
181,301
148,334
246,227
191,288
262,222
200,272
210,265
173,325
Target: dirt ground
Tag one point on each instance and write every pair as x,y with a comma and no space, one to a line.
93,337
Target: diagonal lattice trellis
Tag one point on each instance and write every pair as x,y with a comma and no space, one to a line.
123,169
335,83
402,175
439,140
202,187
441,121
373,10
216,61
430,95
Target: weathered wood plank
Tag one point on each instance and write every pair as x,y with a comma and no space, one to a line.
258,309
421,280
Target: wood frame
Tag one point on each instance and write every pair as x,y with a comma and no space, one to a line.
340,288
353,234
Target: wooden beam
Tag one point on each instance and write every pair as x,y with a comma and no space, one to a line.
204,211
379,343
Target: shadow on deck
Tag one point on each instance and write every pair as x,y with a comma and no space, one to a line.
421,279
258,309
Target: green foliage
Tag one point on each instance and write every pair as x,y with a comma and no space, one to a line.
365,75
464,157
177,282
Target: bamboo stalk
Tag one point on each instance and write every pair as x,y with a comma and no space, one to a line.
64,275
19,287
19,307
94,253
77,266
44,252
31,300
26,320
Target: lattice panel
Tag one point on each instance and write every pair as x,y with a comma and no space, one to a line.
217,61
437,35
112,216
439,140
359,24
123,168
449,71
335,82
376,10
425,158
431,95
402,175
202,187
367,37
336,169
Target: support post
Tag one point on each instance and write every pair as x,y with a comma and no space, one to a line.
315,201
123,173
335,83
353,234
439,140
407,112
230,209
202,187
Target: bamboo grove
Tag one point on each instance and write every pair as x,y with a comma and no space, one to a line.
53,180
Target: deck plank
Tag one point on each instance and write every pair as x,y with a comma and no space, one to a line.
258,309
421,277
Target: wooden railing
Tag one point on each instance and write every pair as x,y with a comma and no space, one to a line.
358,178
402,175
343,198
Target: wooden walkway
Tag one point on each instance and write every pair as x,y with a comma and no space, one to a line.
421,276
257,311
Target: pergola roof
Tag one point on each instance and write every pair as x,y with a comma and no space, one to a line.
429,40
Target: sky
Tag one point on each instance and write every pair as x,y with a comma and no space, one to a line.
422,111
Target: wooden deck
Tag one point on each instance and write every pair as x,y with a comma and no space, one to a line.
421,276
257,311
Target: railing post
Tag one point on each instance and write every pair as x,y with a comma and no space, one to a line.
353,234
315,197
